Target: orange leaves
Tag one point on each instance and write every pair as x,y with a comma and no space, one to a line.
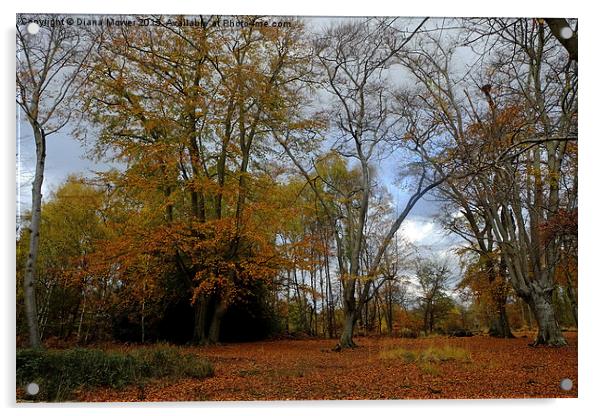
227,257
309,370
188,111
494,134
486,281
562,224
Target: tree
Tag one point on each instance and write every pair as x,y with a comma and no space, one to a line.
249,163
68,290
512,150
568,39
50,70
486,278
487,275
433,278
353,59
531,131
201,140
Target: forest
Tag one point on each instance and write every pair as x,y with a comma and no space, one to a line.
251,189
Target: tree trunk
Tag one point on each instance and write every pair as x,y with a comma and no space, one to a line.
142,323
572,300
389,313
199,334
332,332
29,279
389,320
81,318
548,332
432,319
346,340
574,310
288,302
45,312
351,310
500,327
214,328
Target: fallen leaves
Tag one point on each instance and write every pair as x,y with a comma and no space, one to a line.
307,370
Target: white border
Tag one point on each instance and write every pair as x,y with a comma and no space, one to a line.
590,154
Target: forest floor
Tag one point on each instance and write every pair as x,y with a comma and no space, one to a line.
309,370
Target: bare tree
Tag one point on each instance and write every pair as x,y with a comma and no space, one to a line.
564,33
354,60
50,68
433,278
510,133
525,183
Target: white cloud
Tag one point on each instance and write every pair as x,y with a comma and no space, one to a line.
416,231
457,214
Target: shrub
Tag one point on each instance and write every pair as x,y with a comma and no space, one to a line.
60,372
164,361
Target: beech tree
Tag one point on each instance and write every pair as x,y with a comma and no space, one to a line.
512,150
353,59
71,226
534,132
189,110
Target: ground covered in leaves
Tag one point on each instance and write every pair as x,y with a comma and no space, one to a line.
380,368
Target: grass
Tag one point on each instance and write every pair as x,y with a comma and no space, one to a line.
430,369
431,354
407,356
428,360
59,373
446,353
249,372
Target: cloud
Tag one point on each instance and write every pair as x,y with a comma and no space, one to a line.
416,231
457,214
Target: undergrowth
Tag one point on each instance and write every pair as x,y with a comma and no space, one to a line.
59,373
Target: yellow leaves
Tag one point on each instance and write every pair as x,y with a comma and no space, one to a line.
347,277
150,125
182,109
486,281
